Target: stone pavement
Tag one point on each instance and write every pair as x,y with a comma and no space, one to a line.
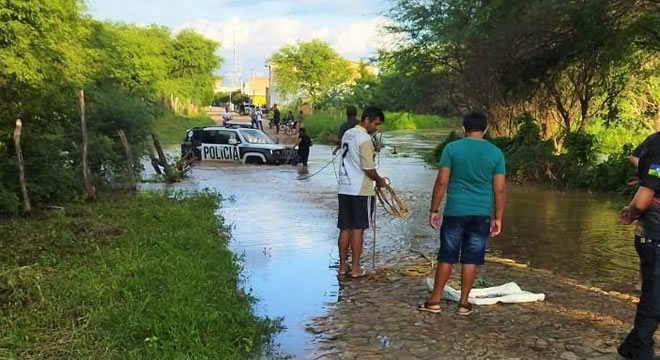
377,319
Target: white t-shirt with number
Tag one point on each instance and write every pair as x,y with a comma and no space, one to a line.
357,155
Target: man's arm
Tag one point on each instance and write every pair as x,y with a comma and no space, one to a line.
499,189
373,175
642,200
439,191
634,160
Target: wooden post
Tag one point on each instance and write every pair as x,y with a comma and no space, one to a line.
154,161
90,192
27,208
130,165
162,158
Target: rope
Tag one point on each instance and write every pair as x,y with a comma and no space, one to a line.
392,205
391,202
332,161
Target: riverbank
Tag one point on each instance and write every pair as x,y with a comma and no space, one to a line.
130,276
376,318
323,125
171,128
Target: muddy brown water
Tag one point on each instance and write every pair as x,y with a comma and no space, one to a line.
285,230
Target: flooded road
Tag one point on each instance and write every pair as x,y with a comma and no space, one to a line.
285,228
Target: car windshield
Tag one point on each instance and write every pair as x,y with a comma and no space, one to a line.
256,137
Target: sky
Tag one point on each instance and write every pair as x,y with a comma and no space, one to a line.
354,28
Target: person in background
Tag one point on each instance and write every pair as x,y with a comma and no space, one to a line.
351,122
645,208
304,143
472,175
356,193
226,117
259,116
301,120
276,118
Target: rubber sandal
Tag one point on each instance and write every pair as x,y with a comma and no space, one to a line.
467,307
362,274
426,307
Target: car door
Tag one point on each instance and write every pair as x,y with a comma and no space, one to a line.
220,145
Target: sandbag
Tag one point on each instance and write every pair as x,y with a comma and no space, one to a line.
509,293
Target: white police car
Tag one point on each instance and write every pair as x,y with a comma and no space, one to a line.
228,144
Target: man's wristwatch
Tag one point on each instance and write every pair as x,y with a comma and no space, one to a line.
434,211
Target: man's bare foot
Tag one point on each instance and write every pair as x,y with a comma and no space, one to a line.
359,273
343,270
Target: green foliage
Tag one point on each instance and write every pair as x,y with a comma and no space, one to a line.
580,164
171,129
49,50
324,125
237,98
408,121
308,70
567,62
123,279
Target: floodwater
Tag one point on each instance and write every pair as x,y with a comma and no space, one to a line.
285,229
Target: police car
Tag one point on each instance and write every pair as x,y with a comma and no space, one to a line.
234,144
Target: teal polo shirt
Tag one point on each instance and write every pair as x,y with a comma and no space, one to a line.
473,163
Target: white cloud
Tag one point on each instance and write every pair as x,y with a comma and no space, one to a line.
258,37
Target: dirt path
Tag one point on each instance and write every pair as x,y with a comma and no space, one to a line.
377,319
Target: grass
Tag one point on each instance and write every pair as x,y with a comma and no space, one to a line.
129,277
171,129
324,125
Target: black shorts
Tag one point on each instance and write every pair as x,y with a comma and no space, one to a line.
355,211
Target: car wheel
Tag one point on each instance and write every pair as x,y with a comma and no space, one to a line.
254,160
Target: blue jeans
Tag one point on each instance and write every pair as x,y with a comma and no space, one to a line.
639,343
464,238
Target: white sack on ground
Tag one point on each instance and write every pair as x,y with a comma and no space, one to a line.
509,293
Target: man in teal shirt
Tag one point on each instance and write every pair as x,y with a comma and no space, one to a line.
472,174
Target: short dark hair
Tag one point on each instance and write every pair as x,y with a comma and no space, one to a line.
475,121
302,130
372,113
351,111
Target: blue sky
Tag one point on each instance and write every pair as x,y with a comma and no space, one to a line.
352,27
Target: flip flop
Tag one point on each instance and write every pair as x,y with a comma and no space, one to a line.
467,307
426,306
362,274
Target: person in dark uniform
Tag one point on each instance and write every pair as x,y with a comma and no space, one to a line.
276,118
304,143
645,208
351,122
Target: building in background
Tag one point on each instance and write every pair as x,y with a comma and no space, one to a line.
256,89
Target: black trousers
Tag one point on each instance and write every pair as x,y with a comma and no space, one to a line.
304,156
639,343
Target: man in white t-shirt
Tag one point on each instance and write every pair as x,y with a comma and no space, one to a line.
226,117
357,175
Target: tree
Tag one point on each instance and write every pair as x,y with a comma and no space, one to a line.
308,70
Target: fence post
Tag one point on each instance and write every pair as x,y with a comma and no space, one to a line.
90,192
130,165
27,207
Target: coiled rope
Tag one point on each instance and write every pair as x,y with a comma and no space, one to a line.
392,205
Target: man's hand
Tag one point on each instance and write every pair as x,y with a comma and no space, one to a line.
380,182
495,227
434,220
625,216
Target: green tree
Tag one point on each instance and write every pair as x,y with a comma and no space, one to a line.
309,70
